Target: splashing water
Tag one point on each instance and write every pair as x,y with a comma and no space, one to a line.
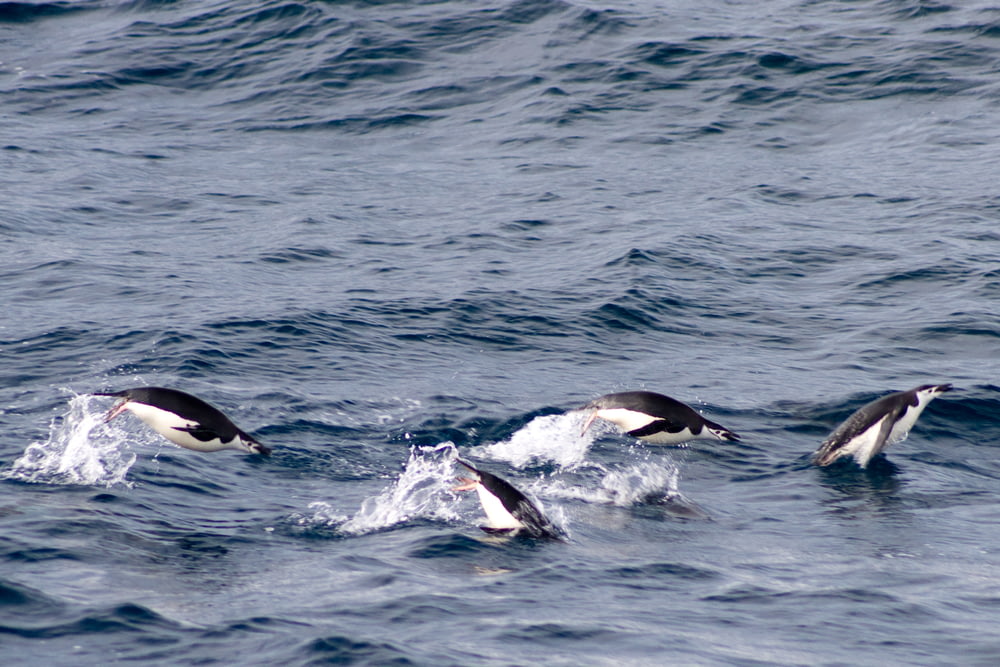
553,438
639,483
423,491
558,438
71,455
324,514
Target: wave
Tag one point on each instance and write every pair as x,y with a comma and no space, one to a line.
27,12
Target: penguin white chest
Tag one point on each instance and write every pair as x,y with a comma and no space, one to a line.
903,425
668,438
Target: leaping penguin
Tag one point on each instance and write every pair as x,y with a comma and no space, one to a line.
507,509
875,426
654,418
183,419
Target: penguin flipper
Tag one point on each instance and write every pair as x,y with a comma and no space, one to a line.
654,427
883,433
200,432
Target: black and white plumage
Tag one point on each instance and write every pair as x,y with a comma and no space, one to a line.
183,419
877,425
654,418
507,509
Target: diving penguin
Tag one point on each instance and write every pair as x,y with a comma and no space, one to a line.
508,510
183,419
654,418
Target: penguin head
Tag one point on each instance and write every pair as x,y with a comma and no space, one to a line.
253,446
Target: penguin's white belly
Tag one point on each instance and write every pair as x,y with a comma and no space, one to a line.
626,420
167,424
497,514
629,420
665,438
863,446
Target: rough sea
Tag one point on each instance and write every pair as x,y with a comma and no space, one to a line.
377,234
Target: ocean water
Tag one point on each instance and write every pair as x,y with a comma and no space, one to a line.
377,234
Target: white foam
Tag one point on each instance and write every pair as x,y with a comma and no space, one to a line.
633,484
73,454
557,439
323,514
423,491
553,438
637,483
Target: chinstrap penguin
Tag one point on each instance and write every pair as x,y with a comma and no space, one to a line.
654,418
875,426
183,419
507,509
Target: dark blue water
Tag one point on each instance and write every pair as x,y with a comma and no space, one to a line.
375,232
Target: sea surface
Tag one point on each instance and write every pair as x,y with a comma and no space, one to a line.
379,235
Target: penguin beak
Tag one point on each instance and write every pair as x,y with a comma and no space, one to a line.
590,420
466,484
115,411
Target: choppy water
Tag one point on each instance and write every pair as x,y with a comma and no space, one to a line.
377,233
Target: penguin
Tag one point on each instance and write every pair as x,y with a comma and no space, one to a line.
183,419
875,426
508,510
654,418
